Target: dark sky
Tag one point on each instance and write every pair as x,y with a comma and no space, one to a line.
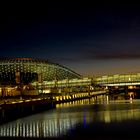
91,40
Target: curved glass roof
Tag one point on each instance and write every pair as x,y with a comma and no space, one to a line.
27,67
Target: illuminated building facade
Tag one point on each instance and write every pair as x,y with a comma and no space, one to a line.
26,70
17,71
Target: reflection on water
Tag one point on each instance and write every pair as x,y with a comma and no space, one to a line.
45,127
67,116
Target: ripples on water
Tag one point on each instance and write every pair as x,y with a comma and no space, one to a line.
79,118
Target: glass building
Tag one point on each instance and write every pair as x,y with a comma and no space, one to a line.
15,71
25,70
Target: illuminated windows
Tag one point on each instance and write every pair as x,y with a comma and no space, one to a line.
30,68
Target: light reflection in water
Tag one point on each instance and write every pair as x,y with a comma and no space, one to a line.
58,122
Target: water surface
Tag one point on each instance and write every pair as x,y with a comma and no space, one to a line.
84,118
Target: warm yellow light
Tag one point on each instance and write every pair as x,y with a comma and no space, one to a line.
27,100
130,87
20,101
14,102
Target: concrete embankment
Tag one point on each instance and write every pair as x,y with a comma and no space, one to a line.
80,97
70,100
14,110
17,108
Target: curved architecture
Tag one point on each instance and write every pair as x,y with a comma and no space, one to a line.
26,70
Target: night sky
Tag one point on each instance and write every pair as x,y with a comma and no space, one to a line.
91,40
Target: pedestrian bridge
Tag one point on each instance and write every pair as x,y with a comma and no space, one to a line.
66,83
119,80
108,80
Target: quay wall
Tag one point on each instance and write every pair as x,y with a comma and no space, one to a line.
12,111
